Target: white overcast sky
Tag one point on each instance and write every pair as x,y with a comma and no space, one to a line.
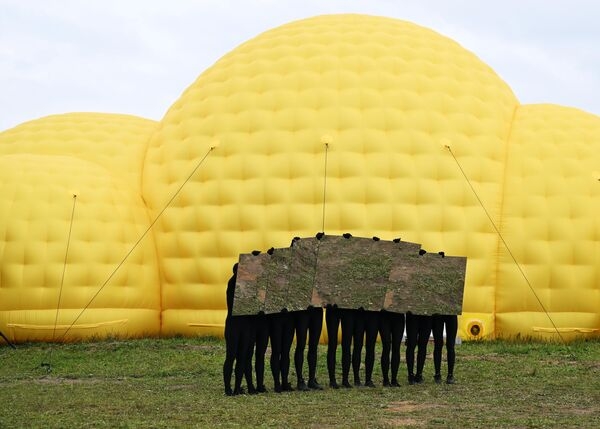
137,56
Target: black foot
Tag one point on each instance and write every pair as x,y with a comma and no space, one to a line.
261,389
450,380
314,384
419,379
395,384
228,391
386,383
333,384
369,383
346,384
437,378
287,387
302,387
357,382
239,391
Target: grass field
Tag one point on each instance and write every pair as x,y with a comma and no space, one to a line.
168,383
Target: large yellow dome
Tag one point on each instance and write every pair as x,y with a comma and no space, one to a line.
389,94
341,123
551,201
70,192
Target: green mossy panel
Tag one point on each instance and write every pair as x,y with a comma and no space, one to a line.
248,297
350,272
353,272
399,289
427,284
303,266
276,280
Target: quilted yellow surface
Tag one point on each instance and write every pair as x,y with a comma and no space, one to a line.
341,123
70,191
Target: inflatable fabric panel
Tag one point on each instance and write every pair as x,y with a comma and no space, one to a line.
550,223
69,224
338,123
386,96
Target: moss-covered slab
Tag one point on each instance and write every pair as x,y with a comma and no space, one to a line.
427,284
350,272
354,272
247,298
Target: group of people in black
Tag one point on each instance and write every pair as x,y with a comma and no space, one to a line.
248,336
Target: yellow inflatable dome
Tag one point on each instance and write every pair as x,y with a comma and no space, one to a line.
341,123
70,192
549,219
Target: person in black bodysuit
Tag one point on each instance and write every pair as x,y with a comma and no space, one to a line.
301,328
418,331
261,341
239,341
365,324
451,323
281,334
307,322
371,328
391,330
332,320
371,324
353,330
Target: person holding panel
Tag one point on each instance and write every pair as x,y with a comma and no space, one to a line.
418,331
239,343
450,322
391,331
